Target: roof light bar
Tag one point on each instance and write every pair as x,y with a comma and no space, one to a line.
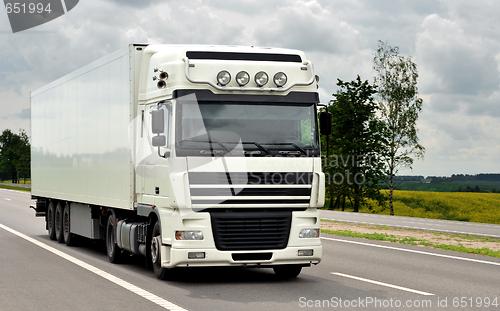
280,79
261,78
223,77
242,78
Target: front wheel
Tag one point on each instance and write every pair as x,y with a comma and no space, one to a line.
287,271
160,272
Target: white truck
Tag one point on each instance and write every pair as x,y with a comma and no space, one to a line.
189,155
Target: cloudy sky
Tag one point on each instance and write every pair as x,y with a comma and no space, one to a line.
455,44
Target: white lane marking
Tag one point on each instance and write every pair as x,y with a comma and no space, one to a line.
137,290
415,251
417,228
383,284
7,199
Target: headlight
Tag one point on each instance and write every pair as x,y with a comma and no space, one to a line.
242,78
188,235
223,77
280,79
261,78
309,233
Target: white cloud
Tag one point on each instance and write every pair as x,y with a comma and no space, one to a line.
308,26
453,62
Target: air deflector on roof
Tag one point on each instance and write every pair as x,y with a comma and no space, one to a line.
268,57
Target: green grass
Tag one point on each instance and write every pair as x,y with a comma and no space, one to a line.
459,206
15,188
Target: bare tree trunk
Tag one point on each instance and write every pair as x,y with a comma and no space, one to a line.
391,189
337,203
357,197
391,172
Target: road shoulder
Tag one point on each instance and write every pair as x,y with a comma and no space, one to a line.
456,242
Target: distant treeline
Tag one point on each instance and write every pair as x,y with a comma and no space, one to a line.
466,177
455,183
454,177
408,178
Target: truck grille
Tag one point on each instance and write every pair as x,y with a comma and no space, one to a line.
250,190
251,230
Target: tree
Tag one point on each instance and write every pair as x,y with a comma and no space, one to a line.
23,160
15,154
354,171
396,83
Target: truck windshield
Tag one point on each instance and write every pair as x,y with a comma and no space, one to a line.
259,129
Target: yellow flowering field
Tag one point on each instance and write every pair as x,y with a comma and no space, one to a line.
463,206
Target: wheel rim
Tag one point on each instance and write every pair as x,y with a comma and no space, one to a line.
155,249
111,240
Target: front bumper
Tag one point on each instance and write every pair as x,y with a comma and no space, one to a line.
214,257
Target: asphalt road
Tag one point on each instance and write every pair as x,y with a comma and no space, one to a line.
39,274
459,227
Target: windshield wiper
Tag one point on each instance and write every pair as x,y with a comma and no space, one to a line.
258,146
209,142
286,144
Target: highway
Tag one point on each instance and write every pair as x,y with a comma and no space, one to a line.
39,274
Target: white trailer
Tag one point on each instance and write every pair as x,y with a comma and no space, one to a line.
189,155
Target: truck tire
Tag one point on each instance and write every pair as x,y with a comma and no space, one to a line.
58,223
161,273
68,236
50,220
287,271
114,252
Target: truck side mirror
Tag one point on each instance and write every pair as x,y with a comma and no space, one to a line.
159,141
325,123
157,121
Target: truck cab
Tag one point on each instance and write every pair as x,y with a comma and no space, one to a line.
237,170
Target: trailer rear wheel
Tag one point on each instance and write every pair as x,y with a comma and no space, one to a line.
58,223
161,273
287,271
68,236
50,220
114,252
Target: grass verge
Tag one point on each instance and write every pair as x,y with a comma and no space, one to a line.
460,206
15,188
445,241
